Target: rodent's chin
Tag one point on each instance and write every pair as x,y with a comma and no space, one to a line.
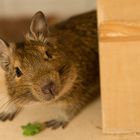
49,97
46,98
47,101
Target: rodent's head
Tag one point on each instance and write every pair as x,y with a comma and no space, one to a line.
36,69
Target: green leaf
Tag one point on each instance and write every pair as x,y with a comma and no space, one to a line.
31,129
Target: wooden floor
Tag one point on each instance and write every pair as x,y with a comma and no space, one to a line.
86,126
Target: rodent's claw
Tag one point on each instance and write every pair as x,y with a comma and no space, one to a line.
7,116
54,124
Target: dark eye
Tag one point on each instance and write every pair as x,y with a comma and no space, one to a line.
18,72
48,55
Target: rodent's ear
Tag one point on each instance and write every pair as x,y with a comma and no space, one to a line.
4,54
38,25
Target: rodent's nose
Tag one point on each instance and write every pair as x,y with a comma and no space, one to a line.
49,88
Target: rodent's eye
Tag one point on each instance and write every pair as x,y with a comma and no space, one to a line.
18,72
48,55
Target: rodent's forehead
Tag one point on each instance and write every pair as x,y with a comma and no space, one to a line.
28,56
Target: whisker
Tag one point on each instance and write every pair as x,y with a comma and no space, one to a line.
8,102
16,99
19,86
3,97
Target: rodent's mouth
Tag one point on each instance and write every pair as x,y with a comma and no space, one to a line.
49,96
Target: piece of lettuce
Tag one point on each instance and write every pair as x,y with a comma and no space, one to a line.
32,129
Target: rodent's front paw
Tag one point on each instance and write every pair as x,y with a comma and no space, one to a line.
9,112
6,116
9,115
54,124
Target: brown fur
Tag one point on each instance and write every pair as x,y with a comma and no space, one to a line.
71,63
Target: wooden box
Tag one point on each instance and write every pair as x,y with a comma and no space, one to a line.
119,48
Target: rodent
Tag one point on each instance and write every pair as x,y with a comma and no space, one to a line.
57,65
